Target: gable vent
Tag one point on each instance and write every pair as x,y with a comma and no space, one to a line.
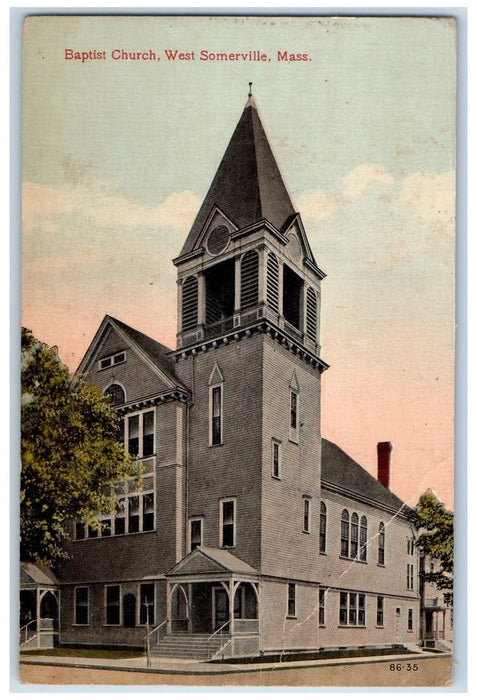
249,280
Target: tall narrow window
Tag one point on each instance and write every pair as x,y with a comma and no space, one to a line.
354,536
190,299
291,607
363,538
343,608
249,280
321,607
361,609
306,515
81,605
113,605
133,433
133,514
381,544
294,407
148,434
148,512
345,533
228,523
311,313
120,518
380,611
410,577
195,533
216,415
146,604
410,620
276,458
293,410
322,528
352,616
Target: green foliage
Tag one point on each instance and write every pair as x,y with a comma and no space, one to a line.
71,458
435,525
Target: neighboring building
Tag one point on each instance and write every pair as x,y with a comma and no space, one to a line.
247,524
437,623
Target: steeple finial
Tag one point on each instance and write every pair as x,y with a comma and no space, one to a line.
250,89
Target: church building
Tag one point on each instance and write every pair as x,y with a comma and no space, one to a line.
250,533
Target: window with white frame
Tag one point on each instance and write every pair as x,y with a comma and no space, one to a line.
380,611
344,533
291,601
112,360
227,522
306,513
381,544
140,434
294,406
276,458
81,605
410,577
216,407
115,394
363,538
352,611
321,607
322,528
113,605
410,620
195,533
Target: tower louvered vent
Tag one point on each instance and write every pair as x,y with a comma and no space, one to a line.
311,313
249,280
189,303
272,282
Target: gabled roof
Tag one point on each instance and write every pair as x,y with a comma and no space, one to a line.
156,353
34,573
210,560
248,186
340,470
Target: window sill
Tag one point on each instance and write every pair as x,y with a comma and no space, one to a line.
381,566
306,532
353,627
292,617
323,554
219,444
81,624
353,559
278,478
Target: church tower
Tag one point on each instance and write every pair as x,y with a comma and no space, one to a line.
248,348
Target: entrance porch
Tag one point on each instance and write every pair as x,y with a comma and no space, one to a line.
212,606
38,607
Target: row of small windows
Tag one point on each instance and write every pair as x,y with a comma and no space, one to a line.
124,610
134,514
353,608
219,301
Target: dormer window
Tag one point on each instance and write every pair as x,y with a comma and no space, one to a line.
112,360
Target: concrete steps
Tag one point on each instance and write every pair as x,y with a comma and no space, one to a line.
187,646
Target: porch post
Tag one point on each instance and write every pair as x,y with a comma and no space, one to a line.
189,607
38,603
168,608
231,606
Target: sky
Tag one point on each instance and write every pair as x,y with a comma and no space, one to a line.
118,155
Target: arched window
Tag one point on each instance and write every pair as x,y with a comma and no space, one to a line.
272,282
322,528
115,393
190,298
311,313
363,538
354,536
345,533
381,544
249,280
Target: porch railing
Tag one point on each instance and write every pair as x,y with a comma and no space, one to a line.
158,630
218,633
29,632
219,651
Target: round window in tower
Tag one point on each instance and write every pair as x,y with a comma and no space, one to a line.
218,239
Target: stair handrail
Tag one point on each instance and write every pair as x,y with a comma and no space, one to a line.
220,629
219,651
148,637
25,627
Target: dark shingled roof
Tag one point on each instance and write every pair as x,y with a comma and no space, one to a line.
248,185
341,470
157,352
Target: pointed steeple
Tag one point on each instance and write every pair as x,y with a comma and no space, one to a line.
248,185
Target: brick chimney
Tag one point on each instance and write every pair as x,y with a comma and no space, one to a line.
384,463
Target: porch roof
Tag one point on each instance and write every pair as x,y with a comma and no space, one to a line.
210,560
35,574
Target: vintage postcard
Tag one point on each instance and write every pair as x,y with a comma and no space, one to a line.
238,351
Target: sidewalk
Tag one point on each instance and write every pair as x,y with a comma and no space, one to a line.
188,667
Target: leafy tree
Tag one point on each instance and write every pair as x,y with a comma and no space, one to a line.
71,460
435,525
